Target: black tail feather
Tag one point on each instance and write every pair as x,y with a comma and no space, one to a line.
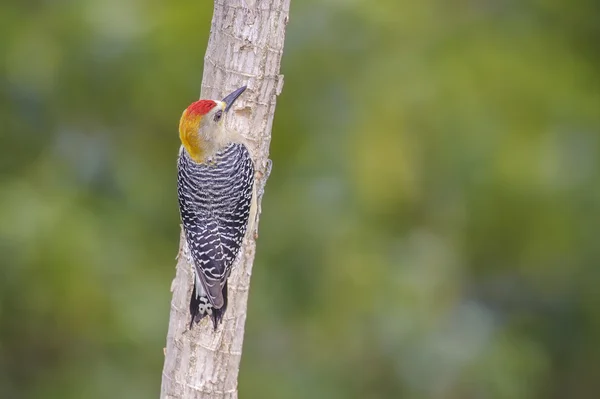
195,307
216,314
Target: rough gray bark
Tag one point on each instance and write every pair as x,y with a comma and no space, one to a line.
245,48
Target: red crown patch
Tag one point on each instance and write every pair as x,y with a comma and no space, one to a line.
201,107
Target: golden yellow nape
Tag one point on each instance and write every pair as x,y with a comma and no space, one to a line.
188,134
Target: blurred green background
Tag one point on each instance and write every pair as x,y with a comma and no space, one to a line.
430,228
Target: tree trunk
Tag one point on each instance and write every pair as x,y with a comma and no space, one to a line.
245,48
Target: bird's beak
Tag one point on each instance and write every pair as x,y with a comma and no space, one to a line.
230,99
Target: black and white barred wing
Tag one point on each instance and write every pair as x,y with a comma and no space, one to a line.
215,214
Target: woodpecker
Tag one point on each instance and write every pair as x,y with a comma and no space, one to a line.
215,188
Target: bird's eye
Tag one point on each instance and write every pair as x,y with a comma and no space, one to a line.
218,115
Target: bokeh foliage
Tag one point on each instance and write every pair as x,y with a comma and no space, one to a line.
429,229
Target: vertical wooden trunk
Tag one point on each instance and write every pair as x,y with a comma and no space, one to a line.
245,48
